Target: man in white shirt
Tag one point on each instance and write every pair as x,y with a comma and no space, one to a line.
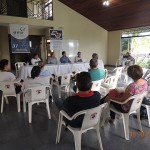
35,59
78,58
100,62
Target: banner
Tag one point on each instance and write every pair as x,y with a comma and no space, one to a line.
55,39
19,38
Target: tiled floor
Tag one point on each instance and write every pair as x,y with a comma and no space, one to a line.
17,134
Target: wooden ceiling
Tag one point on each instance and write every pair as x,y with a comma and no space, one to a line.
120,14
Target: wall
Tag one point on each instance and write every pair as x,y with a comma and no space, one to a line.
92,38
114,45
4,46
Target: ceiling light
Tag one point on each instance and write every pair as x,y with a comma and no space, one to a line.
105,2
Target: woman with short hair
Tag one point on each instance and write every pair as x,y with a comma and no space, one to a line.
138,86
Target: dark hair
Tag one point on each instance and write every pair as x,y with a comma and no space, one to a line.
135,72
35,54
35,72
63,52
79,53
84,81
95,55
93,63
3,63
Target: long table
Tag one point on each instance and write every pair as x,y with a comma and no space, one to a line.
60,69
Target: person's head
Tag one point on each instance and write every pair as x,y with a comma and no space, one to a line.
127,54
35,56
41,64
93,63
84,81
135,72
4,65
52,54
64,53
79,54
35,72
95,56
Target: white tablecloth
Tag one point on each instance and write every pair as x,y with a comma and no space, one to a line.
60,69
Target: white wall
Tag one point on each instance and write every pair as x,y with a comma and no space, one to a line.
114,46
91,37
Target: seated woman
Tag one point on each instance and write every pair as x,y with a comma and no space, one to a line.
84,99
5,75
35,79
44,72
138,86
95,72
52,59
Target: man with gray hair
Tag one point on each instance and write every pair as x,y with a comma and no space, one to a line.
100,62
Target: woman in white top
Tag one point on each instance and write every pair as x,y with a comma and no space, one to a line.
35,79
35,60
4,74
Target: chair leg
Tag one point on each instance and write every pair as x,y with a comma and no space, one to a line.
99,137
59,92
24,104
6,99
126,125
18,102
48,110
30,112
50,92
138,118
59,128
77,139
148,113
2,104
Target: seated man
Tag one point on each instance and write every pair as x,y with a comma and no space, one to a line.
84,99
100,62
95,72
78,58
35,60
64,58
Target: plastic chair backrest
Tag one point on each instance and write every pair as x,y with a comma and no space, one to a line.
8,88
96,85
19,64
65,79
92,117
38,93
112,81
118,71
137,101
106,73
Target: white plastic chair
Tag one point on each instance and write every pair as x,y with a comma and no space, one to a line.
36,95
106,73
96,85
109,83
135,107
117,71
148,112
91,121
18,65
8,89
50,82
65,82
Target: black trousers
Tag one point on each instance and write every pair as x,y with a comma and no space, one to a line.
117,106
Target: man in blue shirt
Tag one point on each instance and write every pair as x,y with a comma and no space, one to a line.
64,58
